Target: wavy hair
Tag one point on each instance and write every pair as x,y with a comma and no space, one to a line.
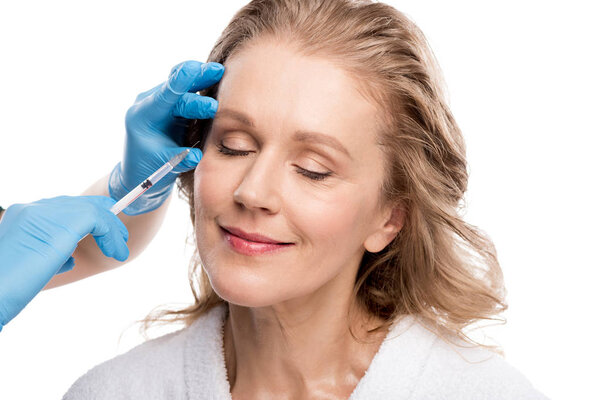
438,267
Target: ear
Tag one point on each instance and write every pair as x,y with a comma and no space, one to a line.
392,222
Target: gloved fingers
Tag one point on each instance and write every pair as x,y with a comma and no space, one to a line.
188,163
158,87
181,79
110,222
193,106
108,230
186,76
112,244
110,237
81,215
67,266
102,204
210,73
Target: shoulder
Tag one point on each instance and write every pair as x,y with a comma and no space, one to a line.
132,371
414,363
154,369
463,371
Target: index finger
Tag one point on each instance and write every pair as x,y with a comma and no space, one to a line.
186,77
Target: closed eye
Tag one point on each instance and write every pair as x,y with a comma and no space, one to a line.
315,176
231,152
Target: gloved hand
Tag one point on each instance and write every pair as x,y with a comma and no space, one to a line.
37,240
155,128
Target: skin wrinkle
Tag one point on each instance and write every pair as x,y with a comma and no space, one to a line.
286,334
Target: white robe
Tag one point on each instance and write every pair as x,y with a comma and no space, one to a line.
412,363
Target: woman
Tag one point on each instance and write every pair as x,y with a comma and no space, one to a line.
334,261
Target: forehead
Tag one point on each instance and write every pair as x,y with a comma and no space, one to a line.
283,90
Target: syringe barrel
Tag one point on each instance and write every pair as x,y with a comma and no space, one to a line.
160,173
130,197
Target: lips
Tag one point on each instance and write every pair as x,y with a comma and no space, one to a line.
252,244
252,237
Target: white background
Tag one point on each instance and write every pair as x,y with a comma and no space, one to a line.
523,83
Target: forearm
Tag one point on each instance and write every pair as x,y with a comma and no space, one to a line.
89,260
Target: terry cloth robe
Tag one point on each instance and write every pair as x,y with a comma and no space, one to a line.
411,363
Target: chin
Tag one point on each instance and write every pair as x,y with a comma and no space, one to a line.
243,290
244,299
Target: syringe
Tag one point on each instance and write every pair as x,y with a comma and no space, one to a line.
149,182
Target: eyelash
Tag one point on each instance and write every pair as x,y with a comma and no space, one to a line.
315,176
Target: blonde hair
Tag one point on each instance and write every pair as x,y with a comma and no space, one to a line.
438,267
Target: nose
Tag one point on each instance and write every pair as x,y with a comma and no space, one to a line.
259,189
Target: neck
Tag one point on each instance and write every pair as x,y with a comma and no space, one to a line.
297,350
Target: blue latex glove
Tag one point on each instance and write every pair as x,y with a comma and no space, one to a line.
37,240
155,129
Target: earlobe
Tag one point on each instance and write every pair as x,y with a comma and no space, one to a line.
387,232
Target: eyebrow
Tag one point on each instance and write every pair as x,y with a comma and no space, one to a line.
299,135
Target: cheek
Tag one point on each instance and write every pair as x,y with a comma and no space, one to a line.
331,220
211,193
211,185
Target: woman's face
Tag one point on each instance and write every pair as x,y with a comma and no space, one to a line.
292,156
